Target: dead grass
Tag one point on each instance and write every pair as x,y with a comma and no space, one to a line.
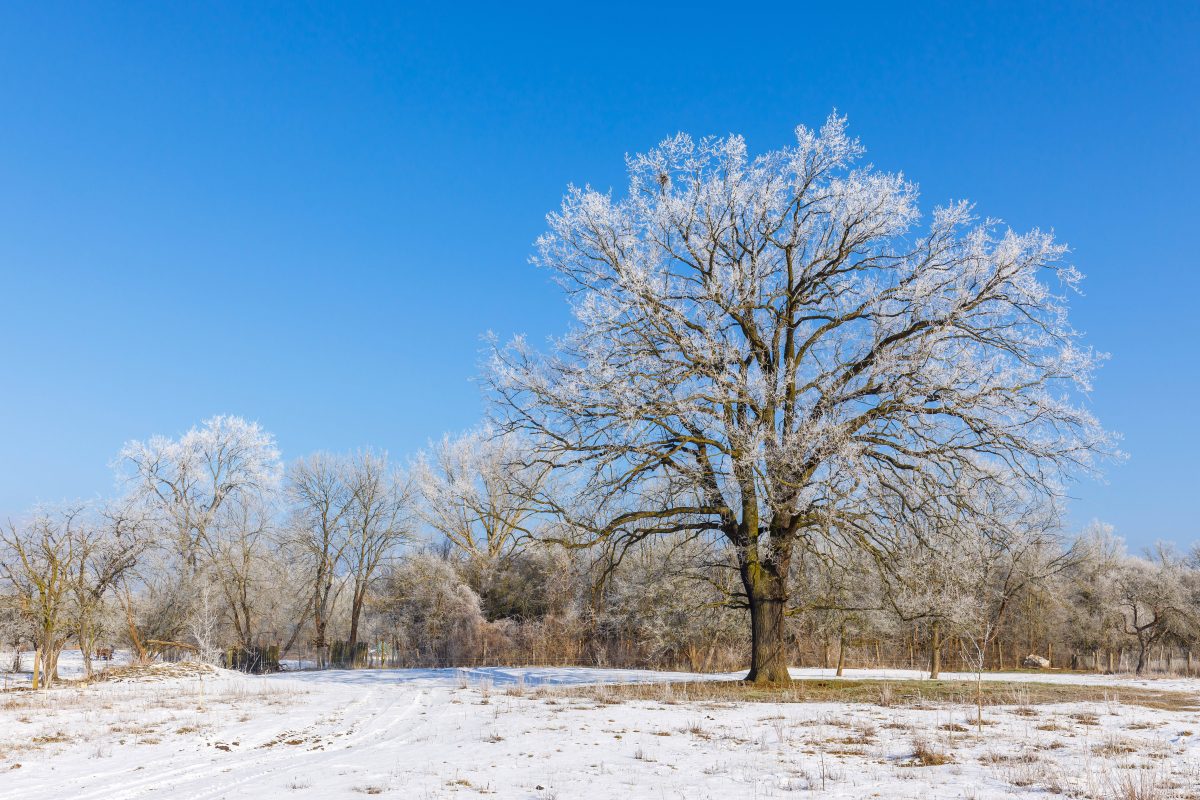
1116,746
152,673
927,755
911,693
1026,757
1136,784
51,738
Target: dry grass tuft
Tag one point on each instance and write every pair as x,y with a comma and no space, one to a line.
1116,746
1135,784
927,755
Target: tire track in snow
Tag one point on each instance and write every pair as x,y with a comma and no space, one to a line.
288,758
227,775
167,772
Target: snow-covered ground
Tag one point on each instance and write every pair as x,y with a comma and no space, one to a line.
517,733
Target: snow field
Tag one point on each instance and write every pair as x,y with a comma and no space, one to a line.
526,733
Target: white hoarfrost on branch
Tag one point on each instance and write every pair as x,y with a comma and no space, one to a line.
476,491
186,480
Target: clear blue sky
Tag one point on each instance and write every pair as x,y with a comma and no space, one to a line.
308,214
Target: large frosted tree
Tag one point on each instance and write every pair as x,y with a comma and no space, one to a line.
765,345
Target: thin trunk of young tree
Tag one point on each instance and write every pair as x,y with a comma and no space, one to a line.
131,628
86,641
841,664
356,607
935,652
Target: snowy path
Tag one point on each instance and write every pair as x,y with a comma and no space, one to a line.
423,734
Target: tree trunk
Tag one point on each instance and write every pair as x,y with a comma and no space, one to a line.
935,652
356,607
321,612
86,644
1141,662
841,653
319,639
768,642
50,664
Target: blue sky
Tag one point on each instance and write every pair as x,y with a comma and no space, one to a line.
308,215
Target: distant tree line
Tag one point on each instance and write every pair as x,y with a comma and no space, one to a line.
218,551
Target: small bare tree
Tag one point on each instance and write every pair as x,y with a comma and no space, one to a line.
15,629
321,493
203,625
927,583
1150,596
238,550
38,559
106,549
378,522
